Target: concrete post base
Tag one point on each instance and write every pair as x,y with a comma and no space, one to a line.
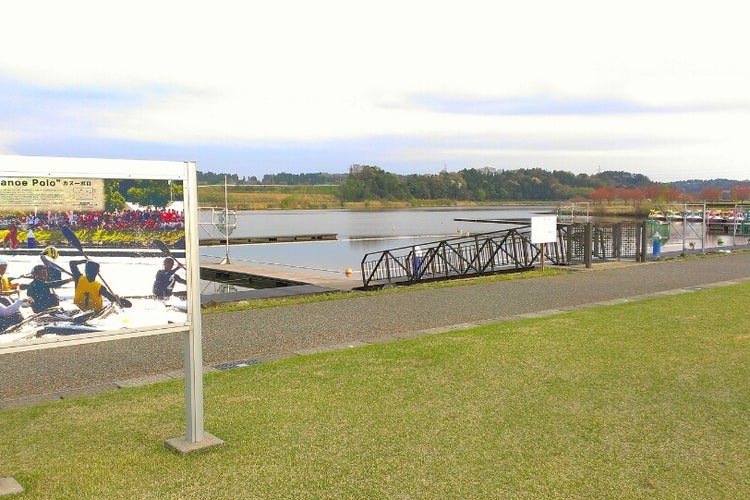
9,486
183,446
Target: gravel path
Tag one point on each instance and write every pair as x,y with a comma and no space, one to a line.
273,333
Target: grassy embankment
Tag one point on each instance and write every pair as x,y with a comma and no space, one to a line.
270,197
623,401
316,197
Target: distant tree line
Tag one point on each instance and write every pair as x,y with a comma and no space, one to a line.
479,185
370,183
317,179
282,178
212,178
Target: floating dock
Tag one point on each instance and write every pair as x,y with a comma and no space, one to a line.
740,228
251,282
260,282
268,239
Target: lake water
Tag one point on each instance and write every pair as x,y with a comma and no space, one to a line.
358,233
364,231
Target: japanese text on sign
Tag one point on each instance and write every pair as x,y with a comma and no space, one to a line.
58,194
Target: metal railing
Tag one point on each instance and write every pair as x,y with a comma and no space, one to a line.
606,241
487,253
508,250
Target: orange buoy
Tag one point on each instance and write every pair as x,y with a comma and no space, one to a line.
348,272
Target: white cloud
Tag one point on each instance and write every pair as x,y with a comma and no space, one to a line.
243,73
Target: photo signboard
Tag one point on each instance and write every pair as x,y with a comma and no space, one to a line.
115,223
96,235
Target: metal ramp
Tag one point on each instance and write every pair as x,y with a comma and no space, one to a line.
504,251
487,253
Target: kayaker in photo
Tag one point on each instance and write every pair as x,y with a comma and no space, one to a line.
166,278
6,287
89,292
10,314
42,291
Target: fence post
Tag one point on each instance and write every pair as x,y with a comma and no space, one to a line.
617,229
388,267
643,242
588,244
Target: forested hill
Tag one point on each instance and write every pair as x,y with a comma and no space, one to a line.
282,178
364,182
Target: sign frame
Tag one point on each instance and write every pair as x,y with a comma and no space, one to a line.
12,166
543,231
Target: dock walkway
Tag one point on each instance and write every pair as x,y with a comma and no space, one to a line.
262,335
271,282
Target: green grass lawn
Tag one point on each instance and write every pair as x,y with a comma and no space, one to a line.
643,399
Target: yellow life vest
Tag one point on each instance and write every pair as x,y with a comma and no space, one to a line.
88,294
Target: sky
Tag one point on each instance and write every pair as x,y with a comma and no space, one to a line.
659,88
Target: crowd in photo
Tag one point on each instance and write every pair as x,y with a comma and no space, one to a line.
163,219
118,220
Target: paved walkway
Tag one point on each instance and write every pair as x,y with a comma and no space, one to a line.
274,333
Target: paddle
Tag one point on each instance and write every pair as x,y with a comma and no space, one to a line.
83,318
23,276
29,319
166,251
73,239
53,265
62,270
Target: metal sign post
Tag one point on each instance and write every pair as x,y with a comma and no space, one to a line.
543,231
195,437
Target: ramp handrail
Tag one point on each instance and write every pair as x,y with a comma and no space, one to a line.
506,250
486,253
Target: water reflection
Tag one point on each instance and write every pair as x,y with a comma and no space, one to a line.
215,287
364,231
693,238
